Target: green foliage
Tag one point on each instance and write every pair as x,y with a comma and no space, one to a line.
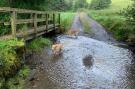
2,82
23,73
130,13
99,4
4,29
38,44
9,61
17,81
80,4
4,3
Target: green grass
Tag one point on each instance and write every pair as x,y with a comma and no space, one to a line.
85,24
117,5
114,22
38,44
67,19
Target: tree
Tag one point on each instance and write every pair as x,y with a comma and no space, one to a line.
80,4
100,4
59,5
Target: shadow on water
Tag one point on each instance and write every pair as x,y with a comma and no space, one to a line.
88,61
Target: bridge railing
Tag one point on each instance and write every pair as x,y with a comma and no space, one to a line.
29,23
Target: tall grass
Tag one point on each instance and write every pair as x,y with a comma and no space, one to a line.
67,19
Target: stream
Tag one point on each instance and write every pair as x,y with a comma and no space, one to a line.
96,62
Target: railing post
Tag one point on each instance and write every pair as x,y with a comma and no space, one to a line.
35,24
31,16
13,23
59,18
54,20
46,21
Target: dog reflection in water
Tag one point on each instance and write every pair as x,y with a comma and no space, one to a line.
73,33
57,49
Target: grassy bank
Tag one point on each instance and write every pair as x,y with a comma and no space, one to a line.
11,60
115,22
10,56
13,71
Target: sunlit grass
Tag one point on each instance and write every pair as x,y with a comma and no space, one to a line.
117,5
120,4
67,19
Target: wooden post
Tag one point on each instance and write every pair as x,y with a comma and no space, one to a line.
13,23
46,21
31,16
54,20
59,18
35,24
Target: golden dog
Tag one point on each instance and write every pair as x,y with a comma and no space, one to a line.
57,49
73,32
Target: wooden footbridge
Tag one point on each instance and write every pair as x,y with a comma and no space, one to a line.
28,24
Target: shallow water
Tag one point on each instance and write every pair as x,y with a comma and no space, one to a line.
86,63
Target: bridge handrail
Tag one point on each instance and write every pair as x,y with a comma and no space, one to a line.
34,19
